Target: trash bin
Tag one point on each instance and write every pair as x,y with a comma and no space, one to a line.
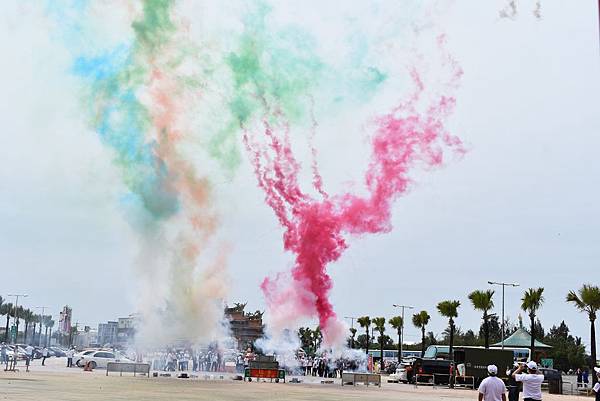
555,386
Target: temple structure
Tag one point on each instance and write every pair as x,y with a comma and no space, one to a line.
245,327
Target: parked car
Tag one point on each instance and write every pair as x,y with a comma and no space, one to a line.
99,359
77,358
401,375
57,352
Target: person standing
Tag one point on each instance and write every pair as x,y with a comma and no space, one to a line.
597,385
492,388
513,385
29,356
586,378
70,354
45,355
3,353
532,381
579,378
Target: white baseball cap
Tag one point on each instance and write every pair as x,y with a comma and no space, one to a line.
597,370
492,369
532,365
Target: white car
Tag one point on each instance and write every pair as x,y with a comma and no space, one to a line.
78,357
400,376
99,359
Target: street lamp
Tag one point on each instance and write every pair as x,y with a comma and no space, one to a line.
402,328
503,286
17,296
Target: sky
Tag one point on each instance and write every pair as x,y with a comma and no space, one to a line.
520,206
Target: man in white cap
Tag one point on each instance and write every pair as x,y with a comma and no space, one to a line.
532,381
597,385
492,388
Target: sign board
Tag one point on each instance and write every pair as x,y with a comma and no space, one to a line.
13,334
547,363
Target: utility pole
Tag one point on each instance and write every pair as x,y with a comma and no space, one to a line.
17,296
402,328
503,286
43,308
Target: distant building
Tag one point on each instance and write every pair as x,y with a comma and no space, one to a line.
107,333
126,327
86,338
64,322
246,328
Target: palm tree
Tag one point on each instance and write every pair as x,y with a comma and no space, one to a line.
49,325
482,301
365,322
28,317
421,320
46,319
531,302
41,319
35,320
449,309
352,336
6,308
587,300
379,323
397,323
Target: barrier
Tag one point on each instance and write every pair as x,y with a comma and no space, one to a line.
364,378
463,382
128,367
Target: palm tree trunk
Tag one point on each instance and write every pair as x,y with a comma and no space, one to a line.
451,350
367,342
50,339
25,334
381,350
6,328
486,331
40,336
46,337
593,347
422,341
33,334
532,337
399,347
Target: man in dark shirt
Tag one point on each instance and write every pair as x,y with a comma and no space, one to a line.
512,385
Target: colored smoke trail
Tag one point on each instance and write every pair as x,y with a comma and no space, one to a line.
315,227
138,94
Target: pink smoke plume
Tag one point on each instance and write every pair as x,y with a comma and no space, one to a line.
315,228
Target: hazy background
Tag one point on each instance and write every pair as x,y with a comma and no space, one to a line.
523,205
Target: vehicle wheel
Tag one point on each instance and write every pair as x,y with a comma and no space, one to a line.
77,363
93,365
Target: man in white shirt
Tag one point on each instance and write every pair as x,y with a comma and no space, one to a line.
492,388
532,381
70,354
597,385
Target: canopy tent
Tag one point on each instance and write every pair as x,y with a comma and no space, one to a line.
521,339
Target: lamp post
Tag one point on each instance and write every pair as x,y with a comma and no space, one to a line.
402,328
503,286
17,296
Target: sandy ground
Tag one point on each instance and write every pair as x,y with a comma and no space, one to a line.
56,382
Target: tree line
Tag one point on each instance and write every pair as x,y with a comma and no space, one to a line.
567,351
35,322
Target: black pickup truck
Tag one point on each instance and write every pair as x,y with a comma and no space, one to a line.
425,369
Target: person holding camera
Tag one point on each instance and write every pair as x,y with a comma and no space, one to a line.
532,381
492,388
